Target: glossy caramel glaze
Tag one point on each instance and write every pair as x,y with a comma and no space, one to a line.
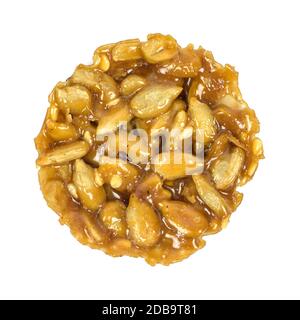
143,210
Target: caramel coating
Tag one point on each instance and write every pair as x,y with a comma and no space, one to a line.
157,212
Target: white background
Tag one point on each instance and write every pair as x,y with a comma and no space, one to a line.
257,256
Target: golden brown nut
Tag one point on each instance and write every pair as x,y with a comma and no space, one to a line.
127,50
120,174
159,48
90,194
132,84
63,154
173,165
184,218
113,217
154,100
76,99
143,222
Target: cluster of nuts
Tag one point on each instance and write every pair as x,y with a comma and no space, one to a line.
142,207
